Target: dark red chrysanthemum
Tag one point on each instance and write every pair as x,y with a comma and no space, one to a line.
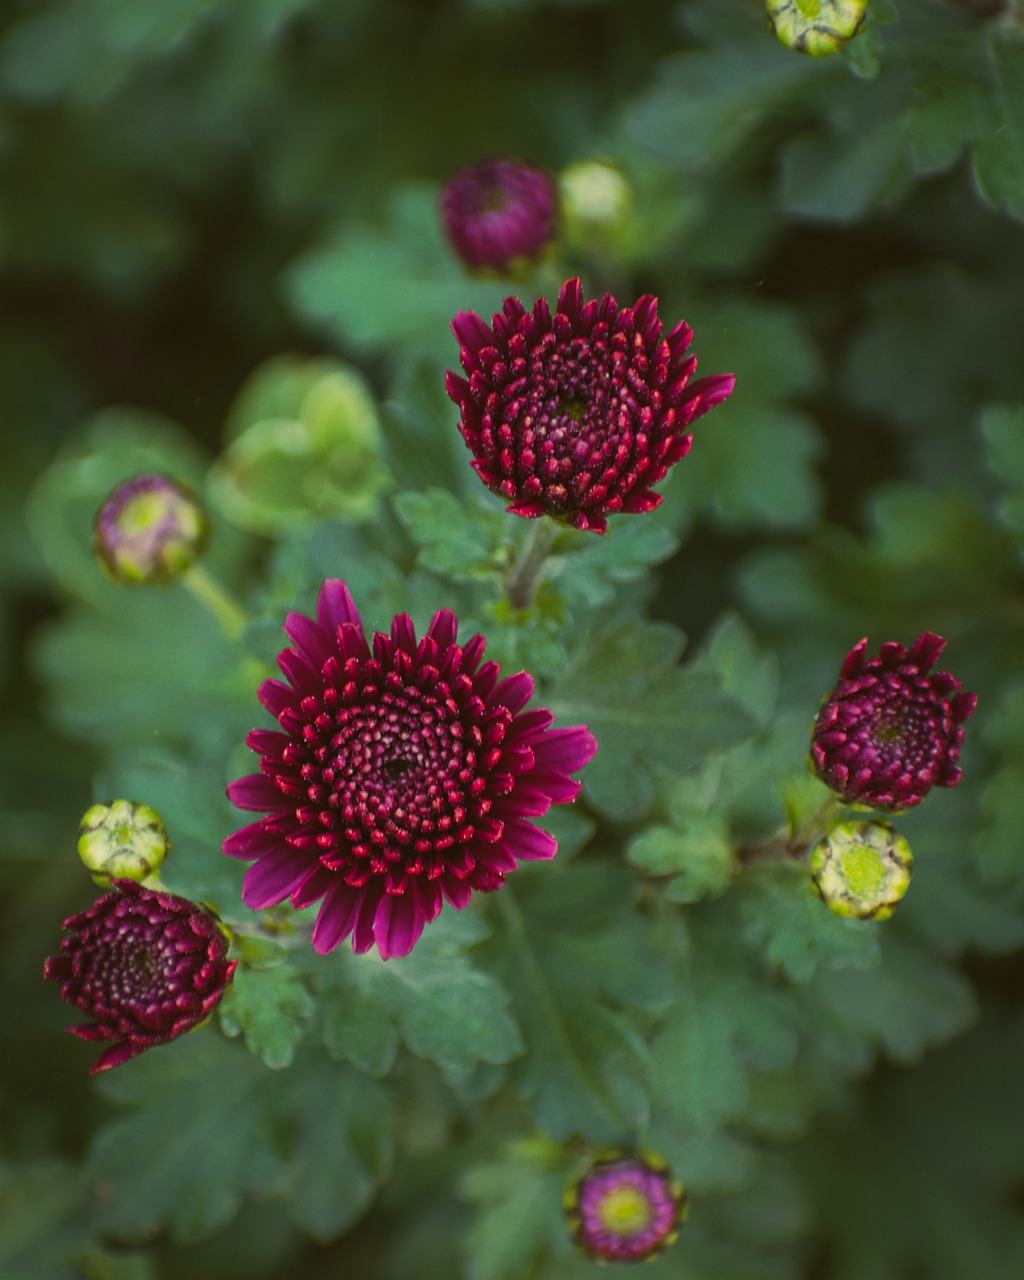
890,731
498,211
147,966
577,415
625,1209
403,775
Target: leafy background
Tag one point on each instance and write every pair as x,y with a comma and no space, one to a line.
219,214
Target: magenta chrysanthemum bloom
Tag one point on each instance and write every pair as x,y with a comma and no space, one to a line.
890,731
147,966
577,415
498,211
403,775
625,1208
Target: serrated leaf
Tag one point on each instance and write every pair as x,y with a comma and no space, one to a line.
199,1142
646,713
696,853
268,1007
999,151
342,1147
460,540
784,917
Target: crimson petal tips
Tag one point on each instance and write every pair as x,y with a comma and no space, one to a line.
405,773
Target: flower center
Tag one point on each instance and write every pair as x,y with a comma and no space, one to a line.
626,1211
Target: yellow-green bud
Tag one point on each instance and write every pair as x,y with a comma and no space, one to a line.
122,840
818,28
862,869
595,198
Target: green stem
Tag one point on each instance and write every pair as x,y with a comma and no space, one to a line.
525,575
794,846
210,593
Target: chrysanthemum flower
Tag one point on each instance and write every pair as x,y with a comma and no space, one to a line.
625,1208
146,966
498,211
890,731
150,530
403,775
577,415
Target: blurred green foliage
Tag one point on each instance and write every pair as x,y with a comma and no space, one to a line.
220,256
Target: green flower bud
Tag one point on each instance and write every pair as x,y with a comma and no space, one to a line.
862,869
818,28
597,200
122,840
150,530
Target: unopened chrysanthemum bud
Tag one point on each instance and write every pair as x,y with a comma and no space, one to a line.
816,27
625,1208
892,728
122,840
498,213
146,966
862,869
597,200
150,530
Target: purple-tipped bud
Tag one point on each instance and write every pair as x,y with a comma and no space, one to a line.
122,840
625,1208
578,414
498,213
890,731
145,966
150,530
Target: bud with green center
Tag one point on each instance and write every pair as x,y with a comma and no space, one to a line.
818,28
596,200
122,840
862,869
150,530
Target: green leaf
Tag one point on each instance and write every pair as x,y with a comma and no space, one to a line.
724,1025
443,1007
910,1002
519,1216
392,288
785,918
461,541
342,1147
999,151
585,1069
268,1006
696,853
647,714
198,1142
43,1208
1003,429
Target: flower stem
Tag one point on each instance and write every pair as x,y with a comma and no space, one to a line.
525,575
210,593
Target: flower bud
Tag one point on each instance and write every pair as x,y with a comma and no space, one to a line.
122,840
150,530
892,728
146,966
498,213
597,201
625,1208
818,28
862,869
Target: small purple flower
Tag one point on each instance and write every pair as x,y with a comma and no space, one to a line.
577,415
890,731
147,966
625,1208
150,530
498,211
404,775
